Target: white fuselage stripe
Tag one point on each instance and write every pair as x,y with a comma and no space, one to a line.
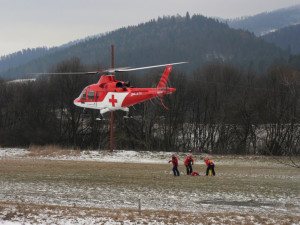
112,101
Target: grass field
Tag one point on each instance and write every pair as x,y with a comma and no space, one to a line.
246,190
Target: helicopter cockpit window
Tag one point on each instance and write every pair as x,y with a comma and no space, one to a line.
127,83
91,95
119,85
83,95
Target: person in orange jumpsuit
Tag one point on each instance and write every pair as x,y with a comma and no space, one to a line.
210,166
189,161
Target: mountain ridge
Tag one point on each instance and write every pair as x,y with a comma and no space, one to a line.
287,38
196,39
262,23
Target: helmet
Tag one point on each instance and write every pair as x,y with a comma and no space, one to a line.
190,156
173,156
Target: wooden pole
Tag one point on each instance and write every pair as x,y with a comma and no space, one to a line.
111,131
112,113
140,206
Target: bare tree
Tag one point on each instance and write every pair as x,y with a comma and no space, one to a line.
283,132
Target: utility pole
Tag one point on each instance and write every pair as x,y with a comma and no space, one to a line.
112,112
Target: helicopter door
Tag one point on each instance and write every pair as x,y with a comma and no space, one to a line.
91,98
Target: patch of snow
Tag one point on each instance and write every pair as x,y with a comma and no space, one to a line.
10,152
267,32
11,223
127,156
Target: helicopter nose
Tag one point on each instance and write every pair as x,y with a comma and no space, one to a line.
76,102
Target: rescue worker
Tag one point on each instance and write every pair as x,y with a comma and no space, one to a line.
210,166
189,161
174,161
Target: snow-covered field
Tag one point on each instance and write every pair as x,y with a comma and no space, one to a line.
246,190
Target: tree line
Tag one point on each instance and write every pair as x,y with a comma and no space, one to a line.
218,109
22,57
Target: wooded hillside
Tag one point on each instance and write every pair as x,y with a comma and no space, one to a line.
266,22
287,38
196,39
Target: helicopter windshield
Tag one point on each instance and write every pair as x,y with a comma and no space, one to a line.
91,95
82,96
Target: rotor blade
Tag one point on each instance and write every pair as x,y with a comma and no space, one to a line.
112,70
66,73
21,81
147,67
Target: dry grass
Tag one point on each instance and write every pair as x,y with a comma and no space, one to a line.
230,178
51,150
30,211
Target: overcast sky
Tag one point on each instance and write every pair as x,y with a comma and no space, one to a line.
34,23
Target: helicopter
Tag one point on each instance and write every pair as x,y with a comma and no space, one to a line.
109,94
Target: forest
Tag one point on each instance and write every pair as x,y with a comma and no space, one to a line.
286,38
196,39
22,57
218,109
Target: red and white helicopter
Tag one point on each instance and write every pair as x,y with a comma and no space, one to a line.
109,94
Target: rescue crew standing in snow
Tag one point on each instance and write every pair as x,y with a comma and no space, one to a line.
174,161
210,166
189,161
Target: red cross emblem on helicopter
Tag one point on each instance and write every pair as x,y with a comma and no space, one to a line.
112,100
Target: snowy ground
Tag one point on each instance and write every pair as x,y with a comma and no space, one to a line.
127,156
257,193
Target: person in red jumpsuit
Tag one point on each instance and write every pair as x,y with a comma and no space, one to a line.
210,166
189,161
174,161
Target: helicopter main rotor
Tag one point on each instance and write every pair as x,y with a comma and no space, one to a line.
110,71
